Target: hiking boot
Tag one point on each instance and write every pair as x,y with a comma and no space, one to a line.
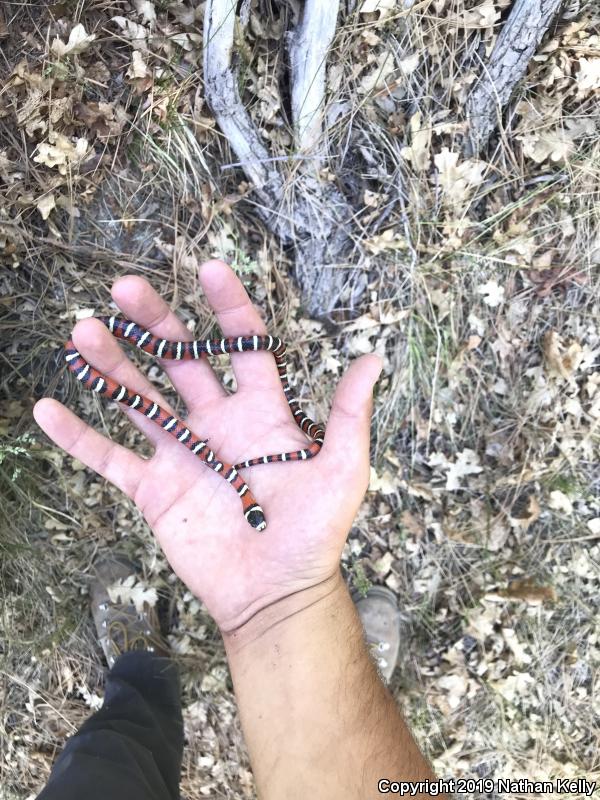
380,616
121,627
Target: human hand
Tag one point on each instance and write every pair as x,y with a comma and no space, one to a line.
195,515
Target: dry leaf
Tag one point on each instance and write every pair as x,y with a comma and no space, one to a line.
409,64
547,280
60,152
390,239
497,533
133,31
92,700
187,41
562,360
131,592
384,564
482,620
364,322
585,566
146,10
412,524
384,66
383,7
457,181
29,114
418,151
560,502
544,260
83,313
138,67
588,77
594,525
514,686
484,15
554,145
559,143
455,687
79,41
467,463
384,483
371,199
45,205
515,646
493,293
528,515
100,118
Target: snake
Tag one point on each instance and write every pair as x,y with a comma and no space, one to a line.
132,333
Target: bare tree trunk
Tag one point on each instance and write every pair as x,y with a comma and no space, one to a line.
300,208
523,31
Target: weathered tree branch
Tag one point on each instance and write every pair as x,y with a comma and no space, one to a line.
309,45
223,96
523,31
302,210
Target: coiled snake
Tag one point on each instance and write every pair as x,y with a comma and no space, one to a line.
162,348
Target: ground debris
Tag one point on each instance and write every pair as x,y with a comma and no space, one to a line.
481,297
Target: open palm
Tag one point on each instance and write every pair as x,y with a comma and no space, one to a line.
196,515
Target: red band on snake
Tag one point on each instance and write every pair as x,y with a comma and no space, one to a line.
184,351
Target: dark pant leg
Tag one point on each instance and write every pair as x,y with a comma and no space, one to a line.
131,749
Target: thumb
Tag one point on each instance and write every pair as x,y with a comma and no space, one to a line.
349,425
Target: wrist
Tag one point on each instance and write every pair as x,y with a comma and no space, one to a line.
275,617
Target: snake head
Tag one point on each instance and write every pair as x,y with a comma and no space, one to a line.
256,517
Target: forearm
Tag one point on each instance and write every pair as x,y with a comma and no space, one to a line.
317,719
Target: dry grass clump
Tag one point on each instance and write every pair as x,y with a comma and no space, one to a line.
483,512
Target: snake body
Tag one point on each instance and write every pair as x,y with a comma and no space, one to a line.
184,351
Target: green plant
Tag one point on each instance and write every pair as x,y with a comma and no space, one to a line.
359,579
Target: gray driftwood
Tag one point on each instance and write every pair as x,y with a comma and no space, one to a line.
300,208
527,23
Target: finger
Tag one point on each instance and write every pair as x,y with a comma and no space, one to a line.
103,352
349,425
115,463
195,381
237,316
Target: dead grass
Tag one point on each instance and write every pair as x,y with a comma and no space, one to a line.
483,513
